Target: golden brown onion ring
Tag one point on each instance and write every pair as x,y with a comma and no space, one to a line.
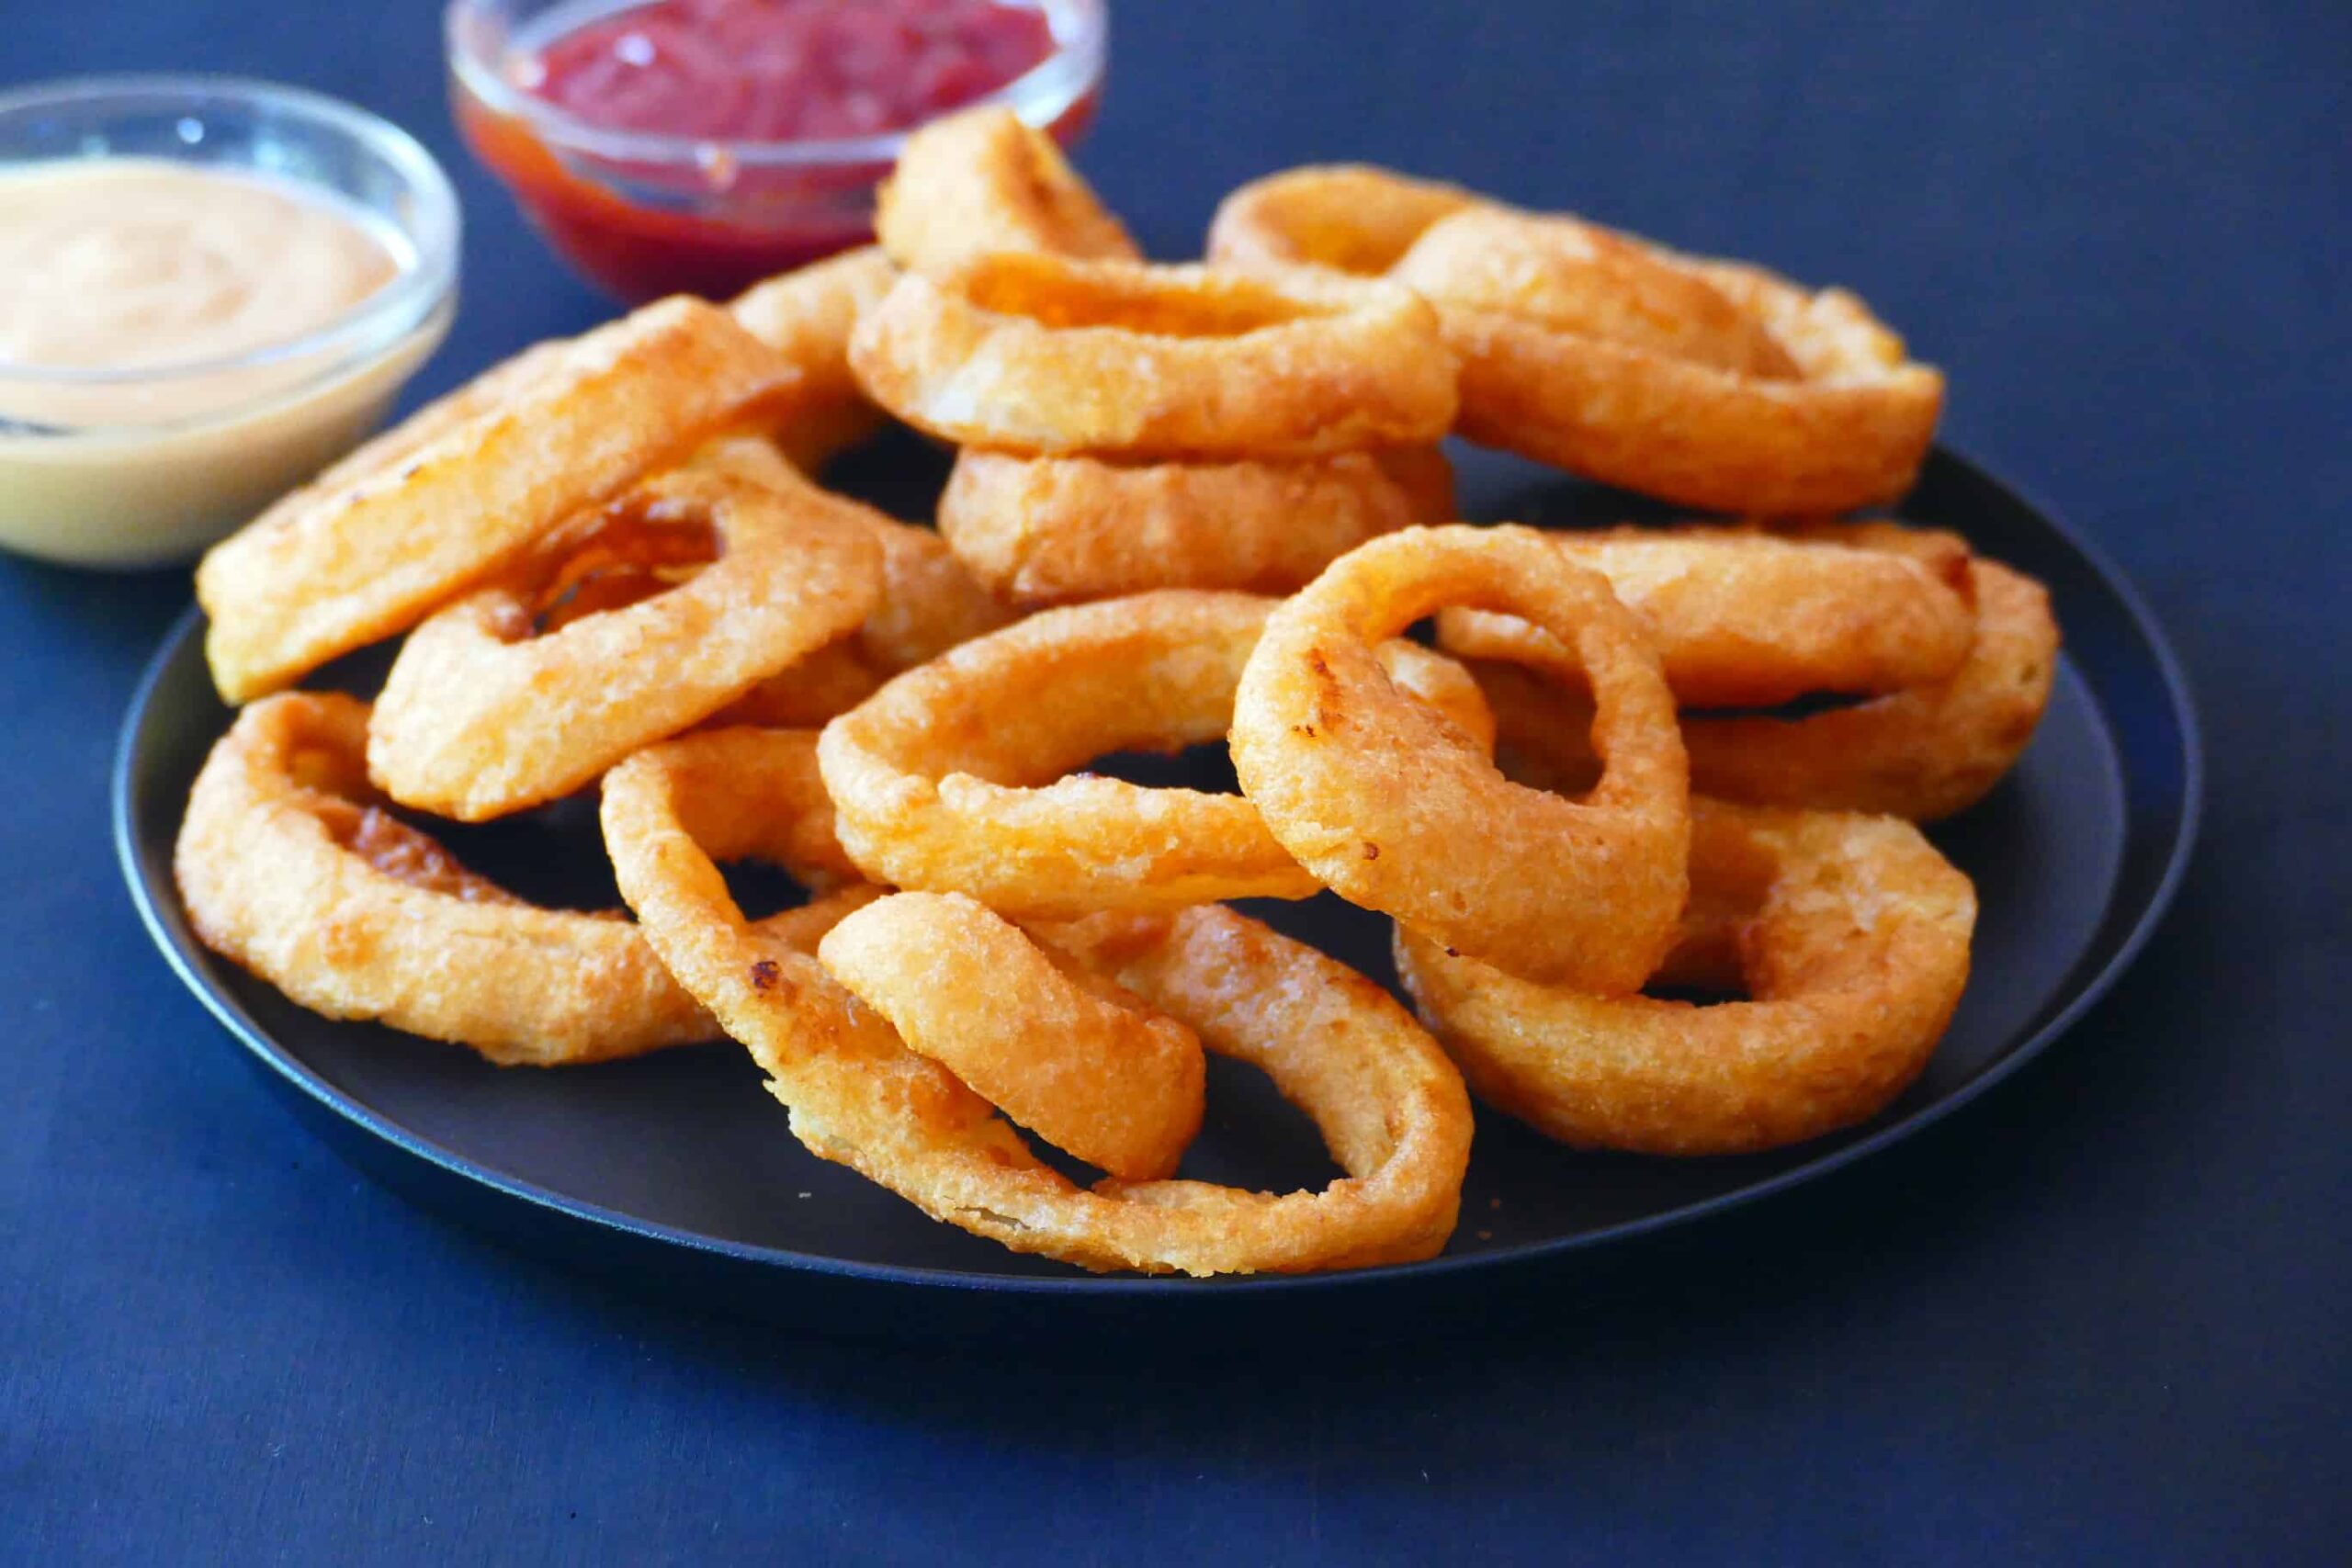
484,713
289,867
1925,753
983,181
1349,218
1726,430
1039,354
1584,281
1394,812
1851,936
416,517
1390,1106
805,692
807,316
1074,1058
1060,530
949,778
1741,618
930,603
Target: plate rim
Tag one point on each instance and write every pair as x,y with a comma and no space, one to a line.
592,1220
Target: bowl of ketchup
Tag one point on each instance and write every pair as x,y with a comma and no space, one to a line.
698,146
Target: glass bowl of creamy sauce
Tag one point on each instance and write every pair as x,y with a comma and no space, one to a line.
209,289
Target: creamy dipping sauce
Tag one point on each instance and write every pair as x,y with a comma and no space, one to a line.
136,263
142,409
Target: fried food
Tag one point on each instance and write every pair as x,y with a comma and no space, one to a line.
418,516
1077,1059
983,181
1581,281
930,603
950,778
1390,1106
1712,384
1743,618
1062,530
615,565
1923,753
290,866
1850,936
805,692
1400,812
642,621
807,315
1038,353
1351,219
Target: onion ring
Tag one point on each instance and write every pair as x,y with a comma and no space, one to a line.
806,693
1747,619
1925,753
1852,936
483,714
930,603
290,868
1585,282
807,316
1039,354
1848,429
983,181
1391,1108
1393,813
1058,530
1351,219
932,775
421,514
1074,1058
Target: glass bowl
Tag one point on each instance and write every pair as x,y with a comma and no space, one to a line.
644,215
102,489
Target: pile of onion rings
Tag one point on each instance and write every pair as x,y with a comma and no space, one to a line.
1128,427
1192,505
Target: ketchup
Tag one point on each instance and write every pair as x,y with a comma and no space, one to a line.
722,70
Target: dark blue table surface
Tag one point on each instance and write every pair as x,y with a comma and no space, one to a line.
2100,1316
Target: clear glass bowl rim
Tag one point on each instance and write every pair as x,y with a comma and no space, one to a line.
377,322
1080,29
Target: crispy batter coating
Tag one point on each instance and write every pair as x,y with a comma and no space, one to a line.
432,508
982,181
807,315
1074,1058
950,778
805,692
930,603
1038,353
1391,1108
1353,220
1714,384
289,867
1063,530
1812,408
1394,812
489,709
1925,753
1744,618
1851,936
1583,280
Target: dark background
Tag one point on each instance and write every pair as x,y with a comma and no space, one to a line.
2099,1315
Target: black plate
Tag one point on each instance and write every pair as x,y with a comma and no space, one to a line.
677,1172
